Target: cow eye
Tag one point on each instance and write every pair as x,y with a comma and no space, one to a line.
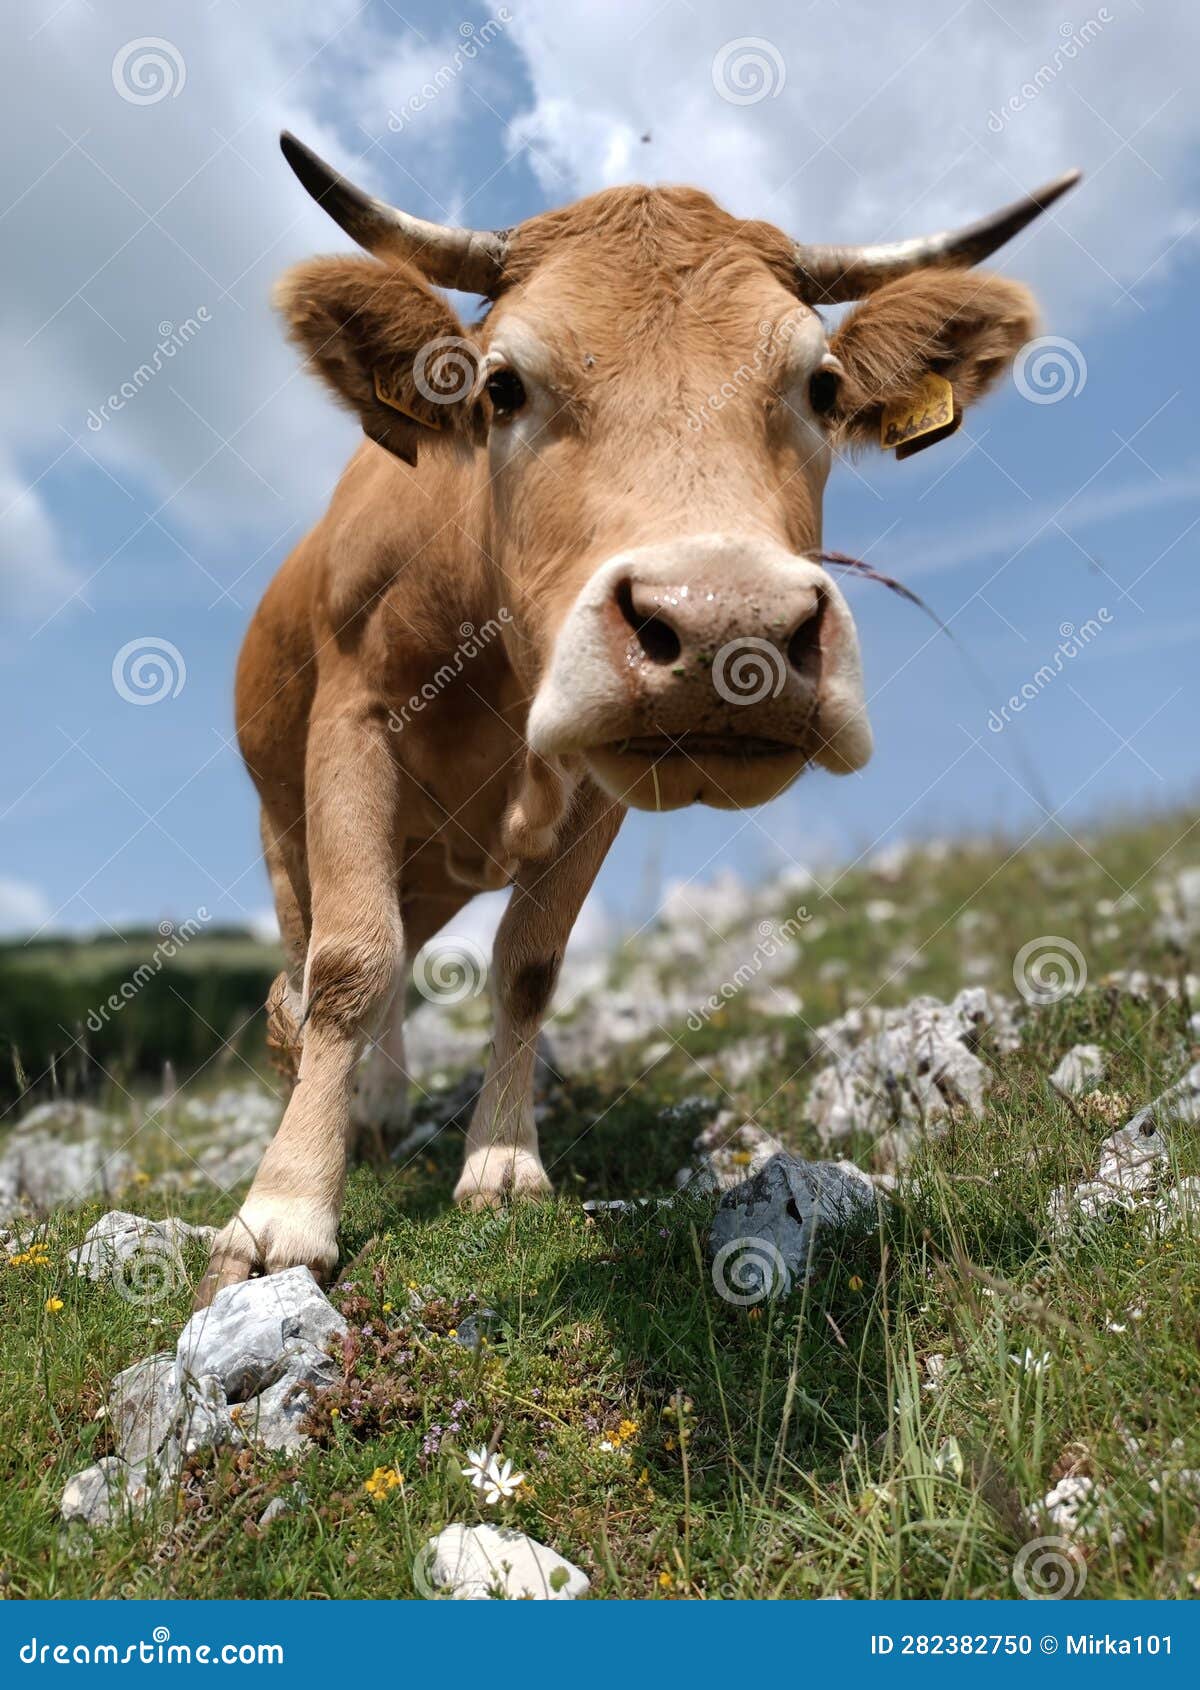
506,391
823,388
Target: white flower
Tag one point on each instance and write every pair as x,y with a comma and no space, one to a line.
495,1478
502,1482
1029,1363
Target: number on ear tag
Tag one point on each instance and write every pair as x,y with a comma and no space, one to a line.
926,416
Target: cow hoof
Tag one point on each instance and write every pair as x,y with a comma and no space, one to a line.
270,1234
492,1177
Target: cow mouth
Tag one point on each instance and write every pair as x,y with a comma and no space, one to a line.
670,772
742,748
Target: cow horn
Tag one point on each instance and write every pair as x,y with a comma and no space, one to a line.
469,259
830,274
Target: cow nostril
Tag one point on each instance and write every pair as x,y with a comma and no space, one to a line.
657,638
804,646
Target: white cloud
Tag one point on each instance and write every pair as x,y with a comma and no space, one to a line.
131,219
24,907
880,128
32,567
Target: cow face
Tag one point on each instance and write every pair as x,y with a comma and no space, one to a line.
651,408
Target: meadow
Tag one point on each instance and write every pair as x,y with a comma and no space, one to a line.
893,1428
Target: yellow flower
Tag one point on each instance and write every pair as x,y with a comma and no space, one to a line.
665,1580
388,1307
382,1481
626,1430
53,1305
453,1332
141,1177
856,1283
335,1413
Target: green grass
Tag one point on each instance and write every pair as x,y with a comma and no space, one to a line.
791,1450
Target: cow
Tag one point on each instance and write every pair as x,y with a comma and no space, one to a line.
607,494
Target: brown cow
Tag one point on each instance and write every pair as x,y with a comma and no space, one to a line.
572,570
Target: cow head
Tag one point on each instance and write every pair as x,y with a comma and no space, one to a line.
650,407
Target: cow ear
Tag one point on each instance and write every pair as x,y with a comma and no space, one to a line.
390,347
964,326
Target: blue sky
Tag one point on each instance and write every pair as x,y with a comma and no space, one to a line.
132,217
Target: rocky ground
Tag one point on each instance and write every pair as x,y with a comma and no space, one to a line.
875,1262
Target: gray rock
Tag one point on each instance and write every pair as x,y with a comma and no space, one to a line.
766,1231
1133,1166
205,1421
1078,1068
482,1325
899,1074
273,1418
143,1404
120,1242
41,1167
285,1503
475,1563
101,1495
249,1331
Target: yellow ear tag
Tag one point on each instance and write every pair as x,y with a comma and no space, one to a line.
393,404
925,417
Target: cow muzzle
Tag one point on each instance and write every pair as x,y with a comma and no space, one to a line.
708,670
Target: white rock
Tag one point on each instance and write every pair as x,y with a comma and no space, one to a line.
41,1167
119,1238
248,1332
285,1503
274,1417
766,1231
899,1073
100,1495
1078,1068
475,1563
204,1422
143,1402
727,1153
1133,1164
1076,1507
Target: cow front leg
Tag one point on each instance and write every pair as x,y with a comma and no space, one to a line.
502,1148
290,1215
